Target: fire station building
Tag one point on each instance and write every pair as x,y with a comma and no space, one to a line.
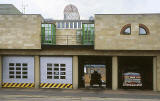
38,53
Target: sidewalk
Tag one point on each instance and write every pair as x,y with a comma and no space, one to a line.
14,94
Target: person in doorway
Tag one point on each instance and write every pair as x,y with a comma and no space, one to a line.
96,79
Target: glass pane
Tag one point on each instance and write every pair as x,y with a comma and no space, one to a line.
63,73
56,65
63,24
11,72
63,69
11,68
18,76
18,68
49,69
18,64
24,69
56,77
11,76
49,73
24,72
49,77
56,69
71,24
75,24
142,31
79,24
56,73
127,30
63,77
24,77
11,64
67,24
24,64
63,65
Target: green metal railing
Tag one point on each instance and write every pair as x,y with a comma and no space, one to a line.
88,34
82,37
48,33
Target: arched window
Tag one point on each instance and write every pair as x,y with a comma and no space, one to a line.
143,30
126,30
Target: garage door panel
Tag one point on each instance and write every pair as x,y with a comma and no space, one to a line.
56,70
18,69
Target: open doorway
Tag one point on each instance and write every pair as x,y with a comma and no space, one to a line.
135,72
94,75
95,72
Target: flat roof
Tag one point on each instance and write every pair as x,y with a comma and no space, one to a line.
131,14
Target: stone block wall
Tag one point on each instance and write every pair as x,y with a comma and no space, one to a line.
20,31
108,28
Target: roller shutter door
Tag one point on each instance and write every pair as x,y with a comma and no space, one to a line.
56,72
18,71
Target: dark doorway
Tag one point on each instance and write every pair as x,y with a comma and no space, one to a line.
135,72
88,65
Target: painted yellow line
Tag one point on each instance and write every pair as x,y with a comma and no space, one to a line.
41,84
58,85
14,85
18,85
10,84
67,86
49,85
45,85
5,85
23,85
53,85
28,85
70,86
62,85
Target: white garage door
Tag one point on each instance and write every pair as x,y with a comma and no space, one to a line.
18,71
56,72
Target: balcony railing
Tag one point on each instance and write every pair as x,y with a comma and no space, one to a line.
66,40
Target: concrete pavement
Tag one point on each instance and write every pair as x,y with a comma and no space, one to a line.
14,94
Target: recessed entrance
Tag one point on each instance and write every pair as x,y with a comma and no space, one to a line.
95,72
135,72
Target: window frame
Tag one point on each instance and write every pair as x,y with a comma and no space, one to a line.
145,28
124,28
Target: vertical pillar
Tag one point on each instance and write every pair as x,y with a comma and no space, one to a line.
37,71
0,71
114,73
158,73
154,73
75,72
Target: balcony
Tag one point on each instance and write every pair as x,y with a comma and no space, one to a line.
67,40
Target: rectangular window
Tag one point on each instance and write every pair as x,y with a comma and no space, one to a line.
67,24
56,71
18,70
71,24
75,24
79,25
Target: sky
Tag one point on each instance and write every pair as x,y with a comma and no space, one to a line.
53,9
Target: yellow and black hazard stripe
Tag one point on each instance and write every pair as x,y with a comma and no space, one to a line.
17,85
55,85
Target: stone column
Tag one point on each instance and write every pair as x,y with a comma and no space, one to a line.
0,71
154,73
75,72
158,73
114,73
37,71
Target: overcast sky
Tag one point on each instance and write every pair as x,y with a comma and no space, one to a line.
54,8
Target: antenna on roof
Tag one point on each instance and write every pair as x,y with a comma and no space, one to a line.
24,6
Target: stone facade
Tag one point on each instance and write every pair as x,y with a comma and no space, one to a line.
20,31
66,37
108,28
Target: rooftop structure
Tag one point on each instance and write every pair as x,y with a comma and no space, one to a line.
8,9
71,13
